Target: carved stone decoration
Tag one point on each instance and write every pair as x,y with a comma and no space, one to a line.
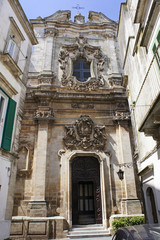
50,31
115,81
46,79
93,54
44,113
63,59
100,67
82,106
118,116
84,135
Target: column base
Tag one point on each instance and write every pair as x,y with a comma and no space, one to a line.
38,228
131,206
38,209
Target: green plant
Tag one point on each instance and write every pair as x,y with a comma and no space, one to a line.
127,221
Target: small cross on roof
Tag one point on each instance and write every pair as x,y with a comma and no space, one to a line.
78,7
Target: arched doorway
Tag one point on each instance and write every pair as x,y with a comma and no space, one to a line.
86,192
151,205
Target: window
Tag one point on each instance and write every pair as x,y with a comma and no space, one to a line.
81,70
7,114
3,110
14,39
156,49
12,48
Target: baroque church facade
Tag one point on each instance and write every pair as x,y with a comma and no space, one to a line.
76,132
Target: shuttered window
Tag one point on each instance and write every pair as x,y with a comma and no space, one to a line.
7,109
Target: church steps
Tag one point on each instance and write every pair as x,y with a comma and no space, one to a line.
87,231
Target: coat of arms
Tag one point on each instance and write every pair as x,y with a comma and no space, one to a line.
83,135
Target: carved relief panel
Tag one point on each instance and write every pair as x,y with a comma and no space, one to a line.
85,135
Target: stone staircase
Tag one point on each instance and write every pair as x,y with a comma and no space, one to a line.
87,231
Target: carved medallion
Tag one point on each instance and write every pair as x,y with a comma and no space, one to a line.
84,135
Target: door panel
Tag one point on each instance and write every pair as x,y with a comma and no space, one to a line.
86,193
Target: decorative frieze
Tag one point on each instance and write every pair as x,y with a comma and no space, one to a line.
84,135
82,106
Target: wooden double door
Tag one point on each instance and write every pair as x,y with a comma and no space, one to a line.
86,194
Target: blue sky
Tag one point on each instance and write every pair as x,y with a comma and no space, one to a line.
35,8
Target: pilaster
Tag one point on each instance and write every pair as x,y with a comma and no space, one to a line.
50,33
43,116
129,202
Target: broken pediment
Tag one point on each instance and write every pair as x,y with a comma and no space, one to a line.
98,17
59,16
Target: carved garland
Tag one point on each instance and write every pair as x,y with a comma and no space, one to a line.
84,135
92,54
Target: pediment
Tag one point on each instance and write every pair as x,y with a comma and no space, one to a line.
59,16
98,17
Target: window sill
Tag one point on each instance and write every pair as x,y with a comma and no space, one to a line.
11,65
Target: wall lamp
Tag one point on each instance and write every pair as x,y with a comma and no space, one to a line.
121,172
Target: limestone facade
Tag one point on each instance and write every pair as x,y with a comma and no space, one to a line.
16,38
139,36
76,132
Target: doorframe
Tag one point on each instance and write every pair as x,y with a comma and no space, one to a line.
66,158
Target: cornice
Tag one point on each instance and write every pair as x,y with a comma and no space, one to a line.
111,95
70,24
6,86
23,20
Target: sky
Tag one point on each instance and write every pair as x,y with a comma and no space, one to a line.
45,8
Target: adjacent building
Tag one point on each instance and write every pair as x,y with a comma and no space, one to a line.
76,132
16,40
139,40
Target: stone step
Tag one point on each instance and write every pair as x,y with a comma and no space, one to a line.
88,226
87,231
88,235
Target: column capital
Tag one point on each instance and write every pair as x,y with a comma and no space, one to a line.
121,117
44,114
50,32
